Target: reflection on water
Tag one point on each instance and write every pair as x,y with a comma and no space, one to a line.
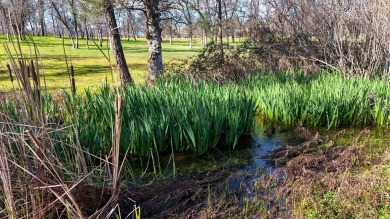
249,151
247,155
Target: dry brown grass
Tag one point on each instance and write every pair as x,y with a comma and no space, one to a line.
340,185
43,177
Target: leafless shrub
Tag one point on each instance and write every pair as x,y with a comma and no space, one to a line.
350,36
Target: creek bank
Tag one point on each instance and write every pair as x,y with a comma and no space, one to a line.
304,173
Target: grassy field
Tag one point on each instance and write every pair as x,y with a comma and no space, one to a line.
91,67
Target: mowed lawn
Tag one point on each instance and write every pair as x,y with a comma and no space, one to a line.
91,67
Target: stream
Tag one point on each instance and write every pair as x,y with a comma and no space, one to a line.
233,174
248,153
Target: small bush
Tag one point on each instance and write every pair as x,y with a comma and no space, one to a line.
239,62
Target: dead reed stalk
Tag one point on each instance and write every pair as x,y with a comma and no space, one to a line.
5,177
118,105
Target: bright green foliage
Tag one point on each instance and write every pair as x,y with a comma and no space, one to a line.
171,114
179,115
328,100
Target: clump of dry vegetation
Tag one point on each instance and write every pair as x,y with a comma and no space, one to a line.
45,173
349,36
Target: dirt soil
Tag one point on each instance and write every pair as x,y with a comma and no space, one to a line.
174,196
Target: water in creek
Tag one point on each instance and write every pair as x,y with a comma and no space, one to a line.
234,174
247,154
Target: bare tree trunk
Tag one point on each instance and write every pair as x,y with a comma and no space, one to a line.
100,35
190,40
6,23
86,33
74,14
220,30
153,35
116,44
33,26
170,33
53,22
170,38
132,26
205,38
128,28
82,33
2,28
61,18
41,11
190,37
72,40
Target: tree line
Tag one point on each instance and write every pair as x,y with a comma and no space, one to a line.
125,19
350,35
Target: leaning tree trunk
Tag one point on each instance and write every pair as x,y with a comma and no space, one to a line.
153,35
116,44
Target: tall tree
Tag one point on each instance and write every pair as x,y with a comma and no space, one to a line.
18,15
206,12
5,19
153,35
73,11
152,10
41,17
116,44
131,29
185,8
62,17
220,30
230,8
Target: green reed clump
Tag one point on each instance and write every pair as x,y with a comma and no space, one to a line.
171,115
177,115
328,100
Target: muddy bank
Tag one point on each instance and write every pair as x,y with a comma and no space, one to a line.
232,191
178,196
318,154
312,176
